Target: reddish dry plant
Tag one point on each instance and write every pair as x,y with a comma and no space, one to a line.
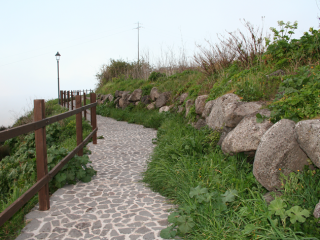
245,49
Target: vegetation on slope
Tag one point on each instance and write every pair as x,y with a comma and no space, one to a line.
217,196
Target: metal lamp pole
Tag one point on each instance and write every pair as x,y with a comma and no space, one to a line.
58,58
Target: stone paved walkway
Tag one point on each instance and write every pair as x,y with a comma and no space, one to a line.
114,205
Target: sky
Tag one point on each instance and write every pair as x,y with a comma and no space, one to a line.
88,34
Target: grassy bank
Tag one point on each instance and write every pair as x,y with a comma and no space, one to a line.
18,171
217,196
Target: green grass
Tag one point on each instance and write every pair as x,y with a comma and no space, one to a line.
183,159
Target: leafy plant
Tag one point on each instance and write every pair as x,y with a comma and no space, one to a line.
296,213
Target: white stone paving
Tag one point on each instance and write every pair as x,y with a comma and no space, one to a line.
114,205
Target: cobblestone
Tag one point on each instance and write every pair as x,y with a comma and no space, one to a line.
114,205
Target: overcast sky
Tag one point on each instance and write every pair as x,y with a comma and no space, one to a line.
88,33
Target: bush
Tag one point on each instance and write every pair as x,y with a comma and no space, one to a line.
154,76
299,96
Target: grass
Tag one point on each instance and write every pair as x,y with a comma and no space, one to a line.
183,160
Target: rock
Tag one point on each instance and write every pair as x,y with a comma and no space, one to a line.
151,106
224,132
189,104
137,103
200,124
99,102
307,134
162,99
207,109
146,99
278,151
118,94
135,96
125,99
236,111
180,109
99,95
216,119
105,98
164,109
316,212
183,97
154,93
110,97
245,137
276,73
116,101
200,103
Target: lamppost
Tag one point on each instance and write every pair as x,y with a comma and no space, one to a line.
58,58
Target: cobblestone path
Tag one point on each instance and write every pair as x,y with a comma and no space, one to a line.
114,205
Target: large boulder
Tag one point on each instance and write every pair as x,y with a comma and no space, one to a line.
216,119
307,134
151,106
154,93
183,97
200,103
245,137
162,99
224,132
118,94
277,152
207,109
236,111
146,99
189,104
135,96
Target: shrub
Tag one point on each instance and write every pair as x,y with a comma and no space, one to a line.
154,76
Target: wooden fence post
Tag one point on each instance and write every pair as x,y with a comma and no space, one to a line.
65,98
61,98
79,124
41,154
85,103
68,99
93,117
71,100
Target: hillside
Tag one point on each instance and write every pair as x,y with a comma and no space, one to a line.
219,195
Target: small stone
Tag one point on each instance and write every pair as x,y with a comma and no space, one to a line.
60,230
75,233
46,227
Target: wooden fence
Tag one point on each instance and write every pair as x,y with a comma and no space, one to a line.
39,124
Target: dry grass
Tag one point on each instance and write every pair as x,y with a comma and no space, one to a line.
246,50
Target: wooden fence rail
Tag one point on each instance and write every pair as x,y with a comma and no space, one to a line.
39,124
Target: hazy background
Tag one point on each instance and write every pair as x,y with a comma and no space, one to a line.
88,33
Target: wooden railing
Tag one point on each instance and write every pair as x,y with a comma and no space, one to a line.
43,177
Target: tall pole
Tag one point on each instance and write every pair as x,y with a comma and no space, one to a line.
58,81
138,41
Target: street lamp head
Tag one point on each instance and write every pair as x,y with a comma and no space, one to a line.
58,56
